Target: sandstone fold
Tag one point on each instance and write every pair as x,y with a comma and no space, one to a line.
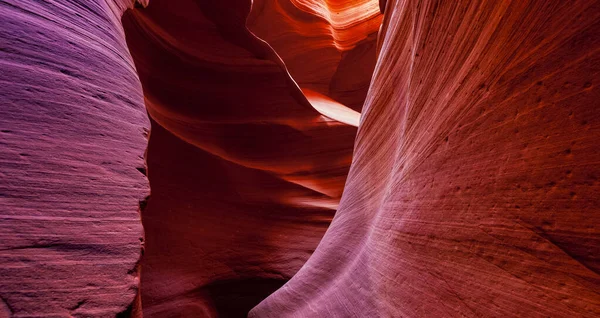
328,45
72,120
245,171
469,189
473,190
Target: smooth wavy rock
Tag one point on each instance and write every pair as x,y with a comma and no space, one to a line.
474,186
328,46
72,121
245,173
472,190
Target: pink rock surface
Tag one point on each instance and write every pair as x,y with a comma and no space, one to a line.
71,138
474,187
472,191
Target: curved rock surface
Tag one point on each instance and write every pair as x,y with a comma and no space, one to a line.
71,138
472,190
328,45
245,173
474,186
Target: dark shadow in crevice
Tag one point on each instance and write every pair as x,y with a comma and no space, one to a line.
235,298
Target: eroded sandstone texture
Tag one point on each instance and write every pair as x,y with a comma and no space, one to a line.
71,138
328,46
474,186
472,190
245,173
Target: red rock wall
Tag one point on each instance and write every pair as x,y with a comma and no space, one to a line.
72,121
245,173
474,185
472,191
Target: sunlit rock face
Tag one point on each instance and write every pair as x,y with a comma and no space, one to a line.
72,121
473,190
245,173
327,46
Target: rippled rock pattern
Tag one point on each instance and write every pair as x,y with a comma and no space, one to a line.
473,191
72,140
469,189
245,173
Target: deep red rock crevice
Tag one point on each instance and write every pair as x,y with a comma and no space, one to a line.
245,173
469,189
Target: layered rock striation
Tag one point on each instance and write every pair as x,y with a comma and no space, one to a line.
473,190
245,172
72,123
469,189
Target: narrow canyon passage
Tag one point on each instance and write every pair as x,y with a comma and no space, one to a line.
245,173
474,187
305,158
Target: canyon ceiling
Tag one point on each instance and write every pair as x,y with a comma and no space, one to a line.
299,158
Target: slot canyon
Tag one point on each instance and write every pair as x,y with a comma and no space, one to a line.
299,158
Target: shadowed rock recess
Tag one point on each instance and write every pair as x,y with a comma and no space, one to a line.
299,158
